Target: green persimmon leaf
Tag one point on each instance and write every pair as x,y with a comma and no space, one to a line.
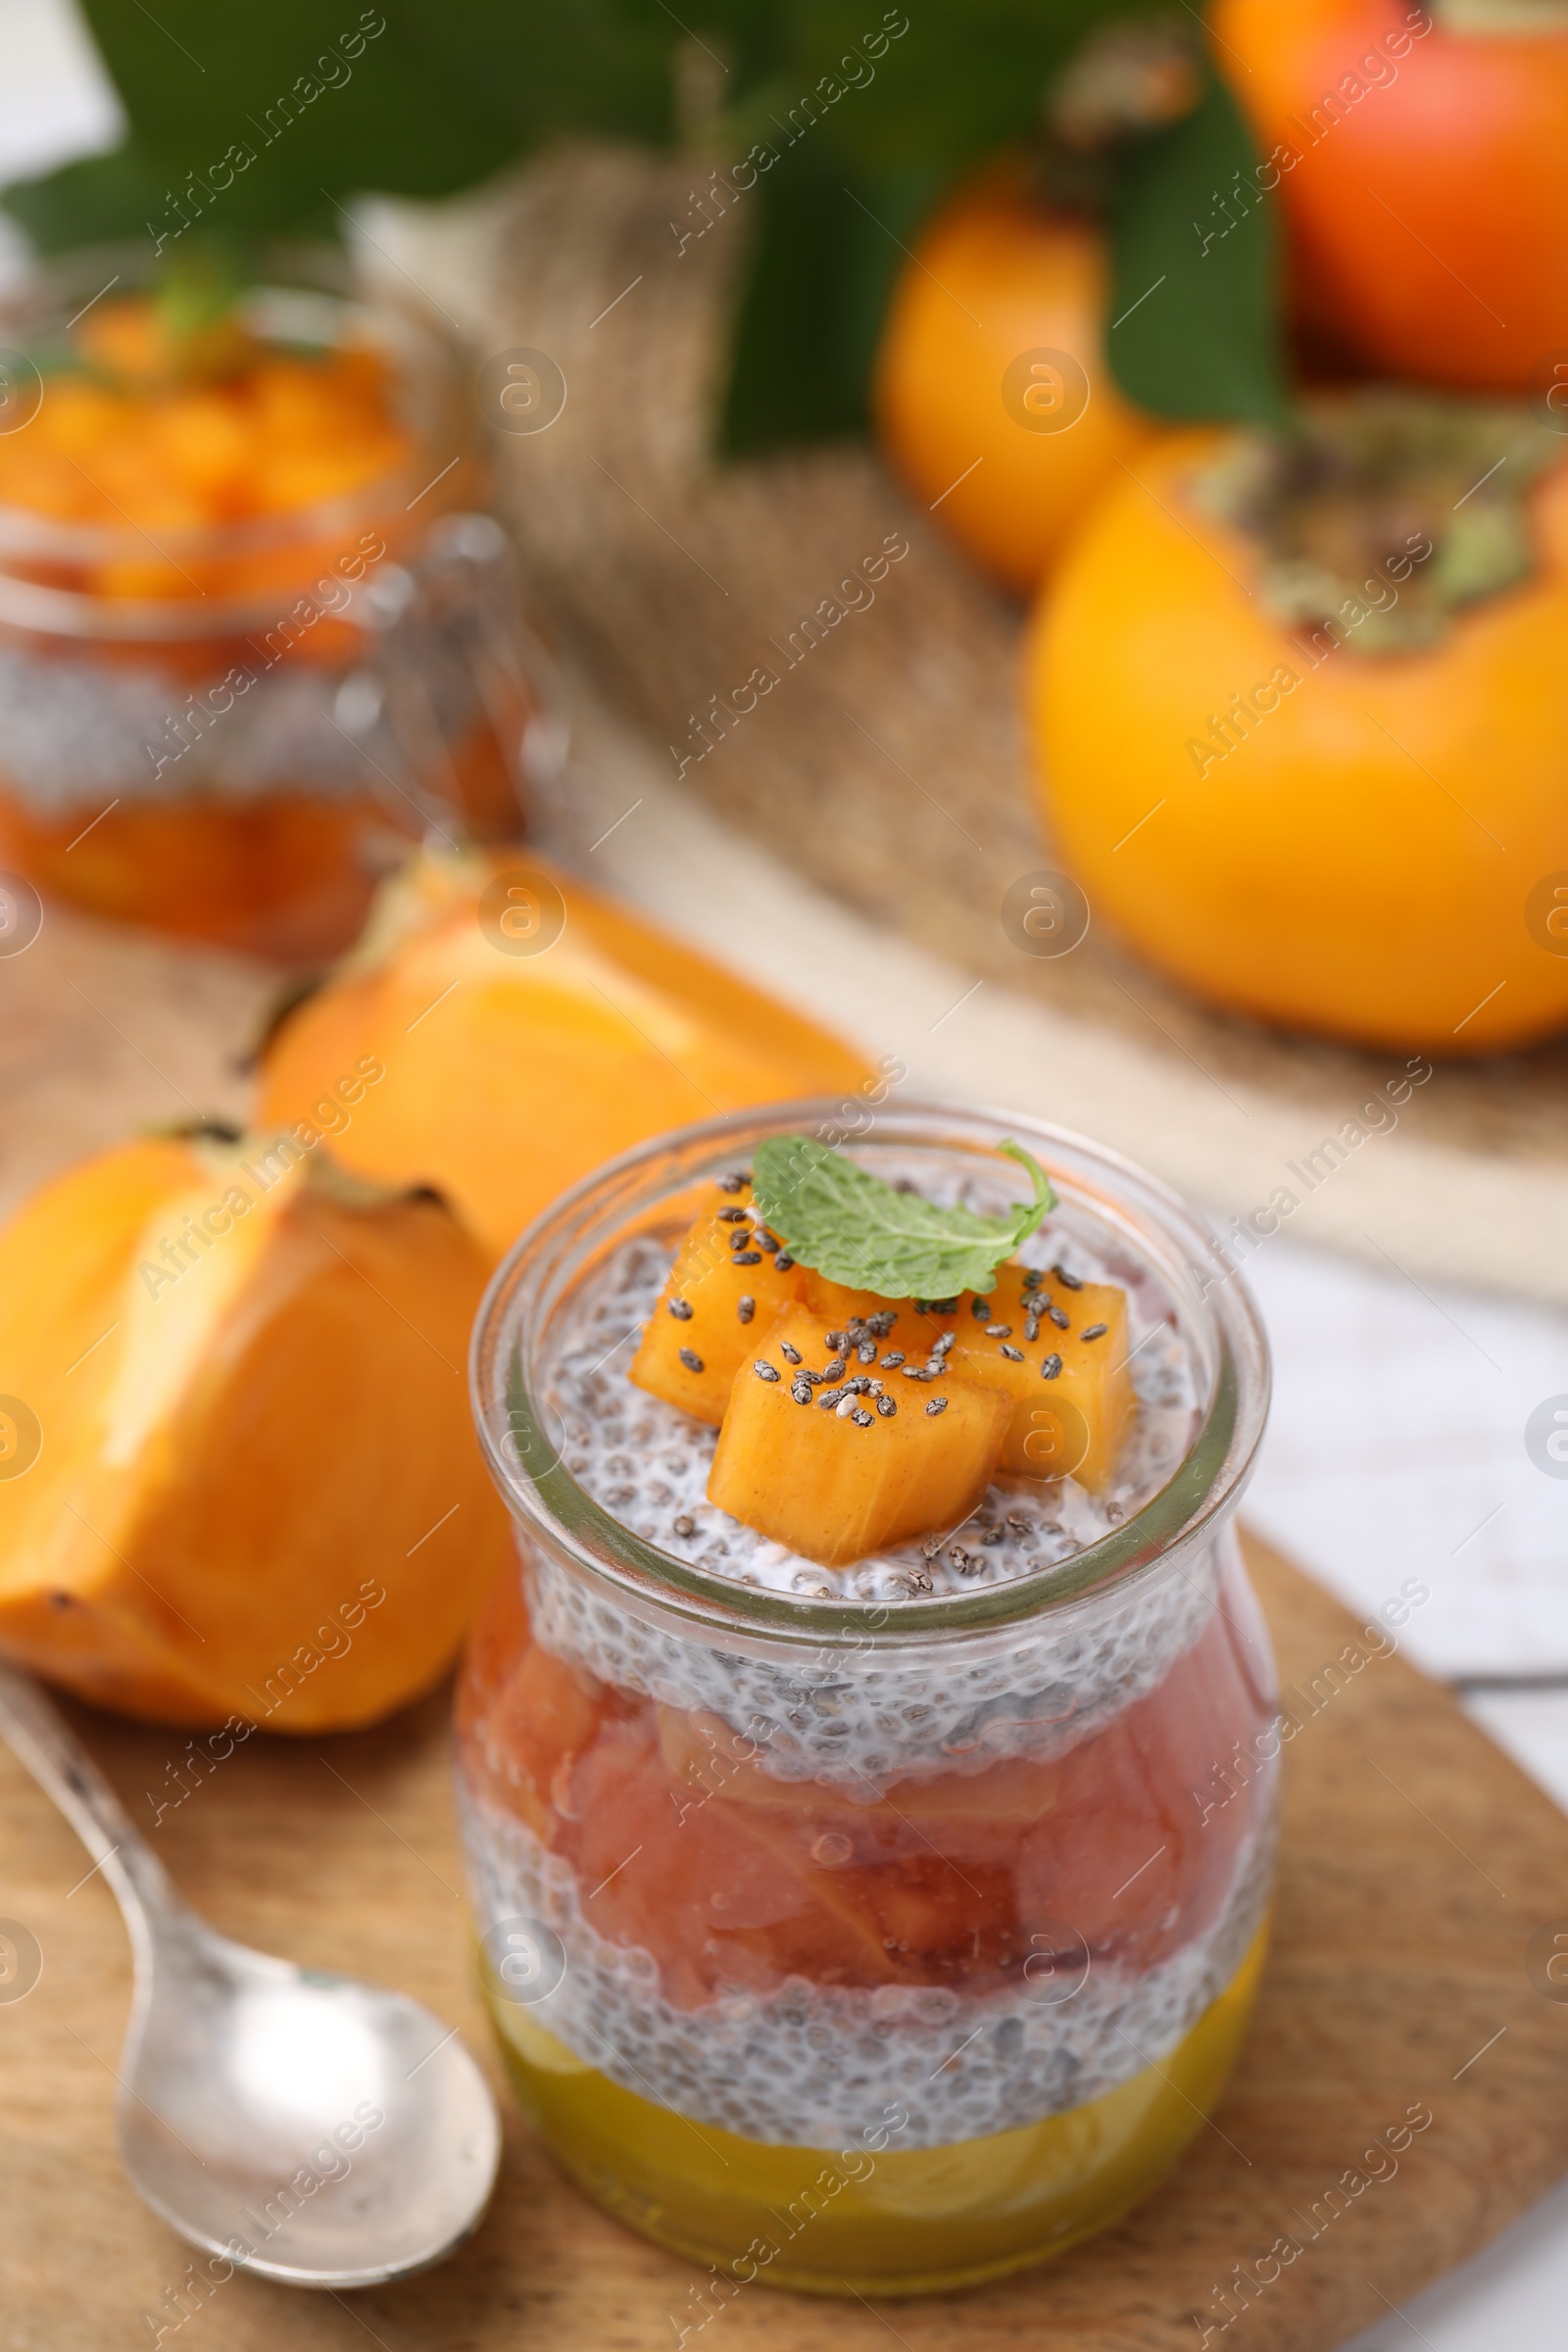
263,118
854,138
849,1225
822,264
94,201
930,86
283,114
1194,313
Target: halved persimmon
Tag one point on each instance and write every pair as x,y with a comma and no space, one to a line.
529,1029
237,1474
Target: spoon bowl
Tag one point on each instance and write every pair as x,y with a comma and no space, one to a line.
307,2127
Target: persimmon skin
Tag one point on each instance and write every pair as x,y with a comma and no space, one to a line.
1360,862
511,1077
995,276
1429,222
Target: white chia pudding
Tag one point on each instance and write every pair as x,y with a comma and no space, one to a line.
805,2064
801,2062
843,1713
648,1463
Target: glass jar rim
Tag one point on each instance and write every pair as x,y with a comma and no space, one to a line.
537,1273
319,272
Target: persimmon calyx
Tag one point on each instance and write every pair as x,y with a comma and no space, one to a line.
1384,514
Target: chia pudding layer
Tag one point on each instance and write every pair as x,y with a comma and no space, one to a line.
974,1866
836,1713
648,1463
808,2063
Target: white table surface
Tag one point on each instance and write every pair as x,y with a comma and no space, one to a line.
1395,1446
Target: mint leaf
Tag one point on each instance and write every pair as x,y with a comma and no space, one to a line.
852,1226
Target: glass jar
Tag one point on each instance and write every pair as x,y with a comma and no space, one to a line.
233,728
867,1945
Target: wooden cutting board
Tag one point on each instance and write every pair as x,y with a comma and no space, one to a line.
1416,1864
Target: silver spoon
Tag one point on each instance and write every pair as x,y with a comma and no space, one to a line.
307,2127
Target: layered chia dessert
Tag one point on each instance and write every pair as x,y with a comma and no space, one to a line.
867,1895
252,642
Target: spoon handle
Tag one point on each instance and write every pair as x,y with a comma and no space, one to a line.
44,1741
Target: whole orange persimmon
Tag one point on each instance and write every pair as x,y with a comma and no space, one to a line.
993,397
1305,742
1418,153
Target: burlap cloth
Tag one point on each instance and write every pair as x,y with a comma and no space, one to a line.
885,767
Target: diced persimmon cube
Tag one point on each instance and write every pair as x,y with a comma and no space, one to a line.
723,1293
1071,1389
835,1472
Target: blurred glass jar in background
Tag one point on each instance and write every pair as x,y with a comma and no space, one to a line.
254,640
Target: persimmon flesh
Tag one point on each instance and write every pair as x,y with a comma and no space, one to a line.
237,1473
512,1073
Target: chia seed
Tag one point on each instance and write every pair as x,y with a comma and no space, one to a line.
860,1417
768,1241
1096,1330
735,1182
938,1404
783,1261
1050,1367
733,1217
791,1355
800,1390
1068,1281
979,1308
999,1331
685,1525
1014,1355
691,1361
746,1258
830,1397
745,1306
766,1370
681,1309
892,1358
886,1407
1059,1318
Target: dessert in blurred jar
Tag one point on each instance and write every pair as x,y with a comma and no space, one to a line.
253,641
